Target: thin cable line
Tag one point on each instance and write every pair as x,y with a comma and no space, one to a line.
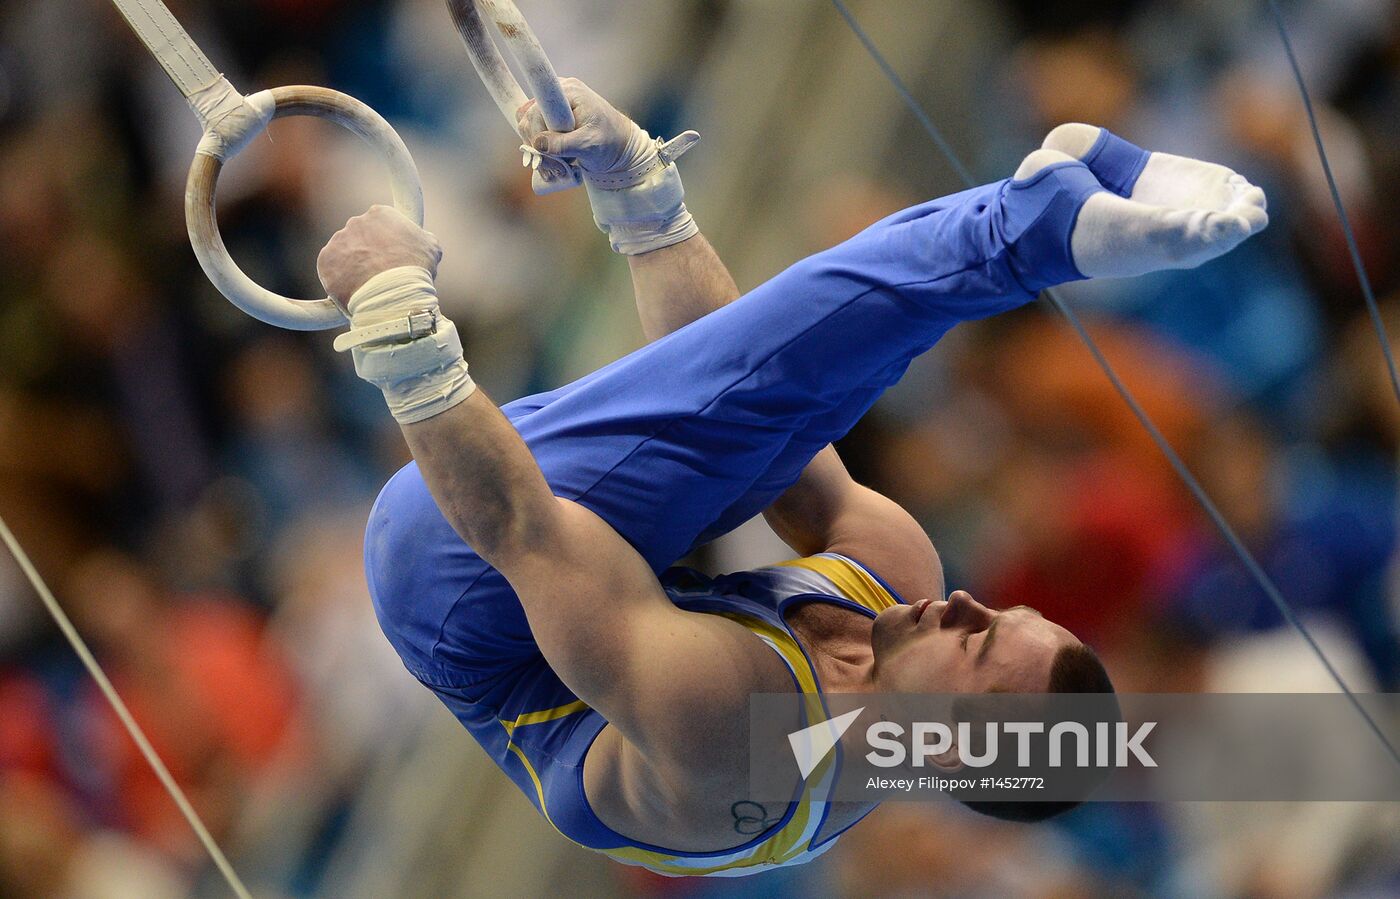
1352,246
948,152
90,662
1194,486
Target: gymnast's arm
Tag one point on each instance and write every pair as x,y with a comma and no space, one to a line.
596,610
827,511
600,617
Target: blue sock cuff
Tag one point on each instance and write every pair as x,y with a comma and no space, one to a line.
1116,163
1038,217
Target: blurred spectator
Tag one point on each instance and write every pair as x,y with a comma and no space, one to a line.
944,850
216,700
47,849
1326,534
282,442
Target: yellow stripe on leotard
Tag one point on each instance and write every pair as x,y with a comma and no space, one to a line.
854,582
539,788
538,718
547,715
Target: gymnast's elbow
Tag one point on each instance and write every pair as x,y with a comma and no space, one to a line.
510,536
506,527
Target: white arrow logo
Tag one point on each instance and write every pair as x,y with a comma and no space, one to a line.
812,744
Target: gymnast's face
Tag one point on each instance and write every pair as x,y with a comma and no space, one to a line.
958,645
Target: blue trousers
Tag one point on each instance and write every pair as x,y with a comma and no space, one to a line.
690,436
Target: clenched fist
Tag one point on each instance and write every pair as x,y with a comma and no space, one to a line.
379,240
610,150
632,183
604,142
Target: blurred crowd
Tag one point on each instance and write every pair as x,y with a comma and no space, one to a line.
193,484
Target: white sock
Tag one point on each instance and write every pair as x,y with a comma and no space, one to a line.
1179,214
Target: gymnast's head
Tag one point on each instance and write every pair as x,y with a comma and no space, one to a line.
958,645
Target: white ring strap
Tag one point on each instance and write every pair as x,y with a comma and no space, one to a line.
170,44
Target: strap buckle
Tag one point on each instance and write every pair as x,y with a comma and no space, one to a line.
418,324
422,323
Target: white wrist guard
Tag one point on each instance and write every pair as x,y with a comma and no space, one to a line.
645,216
641,207
403,345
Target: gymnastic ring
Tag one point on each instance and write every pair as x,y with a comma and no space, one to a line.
520,40
203,224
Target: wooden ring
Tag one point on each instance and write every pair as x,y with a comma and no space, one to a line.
203,224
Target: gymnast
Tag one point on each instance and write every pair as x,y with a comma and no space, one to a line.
522,564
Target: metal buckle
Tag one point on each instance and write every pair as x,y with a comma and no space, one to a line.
421,324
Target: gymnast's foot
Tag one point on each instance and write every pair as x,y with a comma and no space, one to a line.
1157,211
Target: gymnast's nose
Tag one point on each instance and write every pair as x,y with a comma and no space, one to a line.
962,612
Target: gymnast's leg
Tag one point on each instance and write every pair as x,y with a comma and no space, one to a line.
737,403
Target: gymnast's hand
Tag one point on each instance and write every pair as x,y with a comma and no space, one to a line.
377,241
380,268
1157,211
603,140
612,151
634,187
